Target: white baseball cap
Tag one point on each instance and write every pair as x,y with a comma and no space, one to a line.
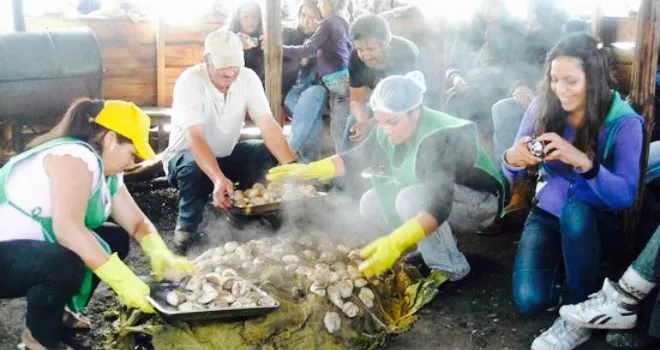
224,49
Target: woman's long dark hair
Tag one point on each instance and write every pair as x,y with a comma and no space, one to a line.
596,65
78,122
235,25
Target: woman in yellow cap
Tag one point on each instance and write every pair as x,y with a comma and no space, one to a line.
55,200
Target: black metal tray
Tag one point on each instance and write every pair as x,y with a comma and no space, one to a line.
158,295
273,207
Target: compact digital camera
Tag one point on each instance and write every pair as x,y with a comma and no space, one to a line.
536,147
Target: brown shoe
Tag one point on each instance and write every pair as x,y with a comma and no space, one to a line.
75,321
513,215
522,192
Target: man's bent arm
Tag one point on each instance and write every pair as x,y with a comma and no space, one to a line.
203,155
273,137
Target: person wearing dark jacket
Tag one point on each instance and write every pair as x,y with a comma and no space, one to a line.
376,54
426,189
332,48
481,65
304,102
542,30
247,24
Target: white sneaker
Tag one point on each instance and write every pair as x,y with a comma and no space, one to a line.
610,308
561,336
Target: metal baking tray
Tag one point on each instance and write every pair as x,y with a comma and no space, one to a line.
273,207
158,295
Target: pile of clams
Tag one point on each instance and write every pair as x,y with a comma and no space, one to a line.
217,290
260,194
327,270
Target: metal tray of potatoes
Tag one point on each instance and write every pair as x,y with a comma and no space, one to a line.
157,298
271,208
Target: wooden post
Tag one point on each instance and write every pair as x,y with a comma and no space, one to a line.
643,96
597,20
160,63
19,17
273,56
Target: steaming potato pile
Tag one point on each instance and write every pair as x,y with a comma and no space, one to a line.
324,301
260,194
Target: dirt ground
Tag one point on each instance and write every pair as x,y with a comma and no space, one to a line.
475,313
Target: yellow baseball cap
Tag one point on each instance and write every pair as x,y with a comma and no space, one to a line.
128,120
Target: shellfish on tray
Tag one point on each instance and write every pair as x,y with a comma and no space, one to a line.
259,194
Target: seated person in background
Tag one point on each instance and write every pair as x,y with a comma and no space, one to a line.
307,98
482,64
247,24
589,170
376,54
437,178
332,48
542,31
375,7
209,107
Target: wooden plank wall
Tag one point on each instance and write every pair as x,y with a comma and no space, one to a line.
184,47
129,53
614,30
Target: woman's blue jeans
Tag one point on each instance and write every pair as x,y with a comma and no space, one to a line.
571,244
305,105
247,164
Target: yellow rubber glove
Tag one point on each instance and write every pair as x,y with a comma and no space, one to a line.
322,169
381,254
162,260
130,289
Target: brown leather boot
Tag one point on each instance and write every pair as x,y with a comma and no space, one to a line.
522,192
515,213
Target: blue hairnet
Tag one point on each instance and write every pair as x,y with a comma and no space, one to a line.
399,94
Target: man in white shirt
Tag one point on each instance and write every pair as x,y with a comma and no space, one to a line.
209,108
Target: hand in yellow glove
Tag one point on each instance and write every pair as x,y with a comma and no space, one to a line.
162,260
381,254
322,169
130,289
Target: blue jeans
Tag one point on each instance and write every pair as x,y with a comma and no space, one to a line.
338,90
573,242
647,263
247,164
305,105
507,115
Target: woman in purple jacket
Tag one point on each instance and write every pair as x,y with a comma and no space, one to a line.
591,141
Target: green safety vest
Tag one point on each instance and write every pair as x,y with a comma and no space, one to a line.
94,217
388,186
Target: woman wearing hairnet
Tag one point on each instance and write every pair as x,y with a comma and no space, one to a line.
438,178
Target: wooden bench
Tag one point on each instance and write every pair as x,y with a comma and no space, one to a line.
160,128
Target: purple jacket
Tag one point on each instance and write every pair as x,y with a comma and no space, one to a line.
332,43
612,183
